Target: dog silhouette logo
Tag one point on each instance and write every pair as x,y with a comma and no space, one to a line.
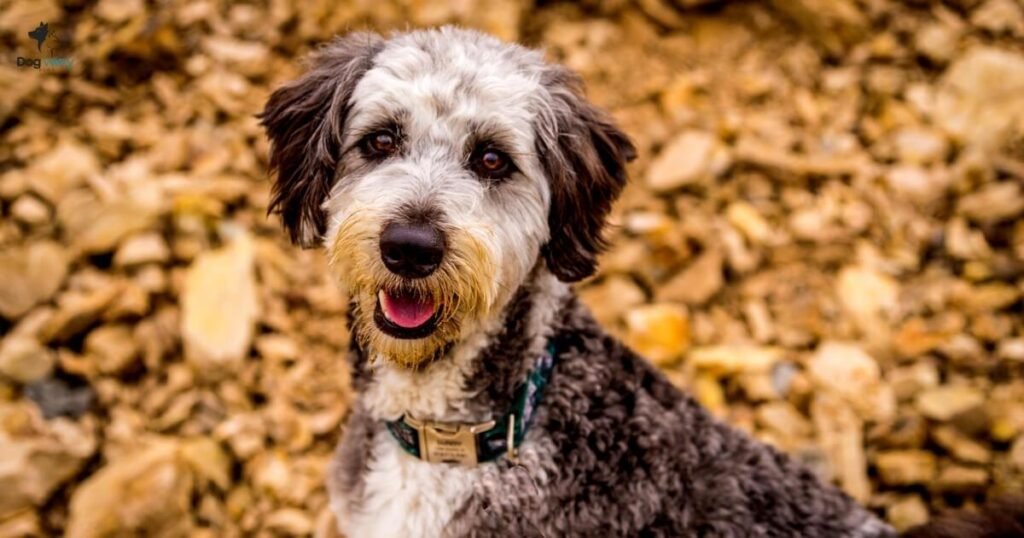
40,34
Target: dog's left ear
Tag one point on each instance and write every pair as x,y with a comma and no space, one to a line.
584,155
304,120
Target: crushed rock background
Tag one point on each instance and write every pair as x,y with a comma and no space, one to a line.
823,241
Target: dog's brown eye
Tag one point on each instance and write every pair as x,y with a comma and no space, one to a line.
492,160
383,142
380,144
492,164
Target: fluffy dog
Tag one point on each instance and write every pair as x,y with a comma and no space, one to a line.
459,185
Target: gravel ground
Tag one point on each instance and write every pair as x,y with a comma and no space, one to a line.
823,241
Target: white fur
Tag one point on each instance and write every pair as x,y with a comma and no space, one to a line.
405,496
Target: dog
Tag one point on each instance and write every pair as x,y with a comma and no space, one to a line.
459,185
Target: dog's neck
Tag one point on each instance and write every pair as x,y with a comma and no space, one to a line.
477,378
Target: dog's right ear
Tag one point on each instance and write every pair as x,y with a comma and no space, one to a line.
304,120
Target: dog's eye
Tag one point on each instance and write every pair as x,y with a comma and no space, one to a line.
380,144
492,163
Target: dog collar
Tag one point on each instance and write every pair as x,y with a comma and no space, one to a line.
469,444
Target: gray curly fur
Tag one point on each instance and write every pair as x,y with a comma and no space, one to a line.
627,454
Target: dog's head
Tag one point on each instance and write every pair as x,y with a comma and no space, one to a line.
437,168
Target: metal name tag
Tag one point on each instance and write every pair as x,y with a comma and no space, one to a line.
448,443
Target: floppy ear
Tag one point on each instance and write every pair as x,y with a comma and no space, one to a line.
304,120
584,155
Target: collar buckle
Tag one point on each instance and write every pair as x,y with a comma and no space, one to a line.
448,443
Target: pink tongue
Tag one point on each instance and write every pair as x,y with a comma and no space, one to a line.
407,311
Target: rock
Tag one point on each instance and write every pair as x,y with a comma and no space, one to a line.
907,513
696,284
220,308
692,157
142,493
734,359
960,480
918,145
612,298
749,221
783,419
870,296
76,311
24,360
834,24
840,435
62,169
659,332
30,275
947,401
994,203
961,446
29,210
937,41
109,226
276,347
60,397
290,522
850,372
1011,349
919,185
140,249
112,347
1000,16
37,456
906,467
972,102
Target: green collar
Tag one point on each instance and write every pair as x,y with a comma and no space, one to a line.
469,444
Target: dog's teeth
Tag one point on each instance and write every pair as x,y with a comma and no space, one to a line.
382,299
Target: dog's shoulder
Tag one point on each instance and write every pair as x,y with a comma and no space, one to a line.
629,454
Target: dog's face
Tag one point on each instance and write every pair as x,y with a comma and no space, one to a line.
438,168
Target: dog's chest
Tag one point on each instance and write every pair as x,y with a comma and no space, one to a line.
404,496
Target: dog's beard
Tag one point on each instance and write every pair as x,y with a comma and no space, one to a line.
463,290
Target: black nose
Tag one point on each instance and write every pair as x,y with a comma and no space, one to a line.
411,250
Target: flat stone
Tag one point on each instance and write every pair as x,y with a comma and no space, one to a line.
845,369
24,359
906,467
907,513
996,202
692,157
143,248
30,210
219,308
749,222
37,456
784,419
145,493
110,225
870,296
77,311
697,283
961,480
659,332
840,434
62,169
113,348
30,275
734,359
612,298
972,102
946,402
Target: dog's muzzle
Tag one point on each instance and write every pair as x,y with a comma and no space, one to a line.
410,251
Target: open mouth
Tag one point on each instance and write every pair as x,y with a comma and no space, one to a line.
405,314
